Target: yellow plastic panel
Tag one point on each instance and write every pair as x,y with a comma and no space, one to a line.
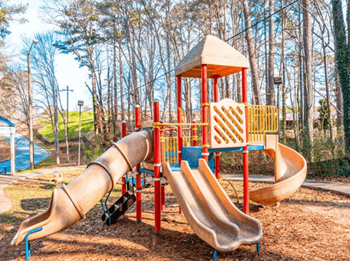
227,124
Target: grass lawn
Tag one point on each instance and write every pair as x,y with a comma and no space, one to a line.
87,124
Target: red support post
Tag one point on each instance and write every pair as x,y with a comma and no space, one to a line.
217,165
124,177
137,170
162,188
179,119
157,164
216,88
204,105
217,154
194,134
245,148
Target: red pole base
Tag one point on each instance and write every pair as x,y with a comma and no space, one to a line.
157,210
138,199
245,180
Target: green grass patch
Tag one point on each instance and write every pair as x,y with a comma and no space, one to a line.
87,124
32,196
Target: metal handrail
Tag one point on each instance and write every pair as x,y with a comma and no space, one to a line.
158,124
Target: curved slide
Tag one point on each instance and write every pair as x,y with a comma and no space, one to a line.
290,173
208,210
70,203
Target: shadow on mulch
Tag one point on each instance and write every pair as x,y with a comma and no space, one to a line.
252,207
35,203
12,217
304,202
49,186
171,244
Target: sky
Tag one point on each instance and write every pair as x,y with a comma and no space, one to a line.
68,71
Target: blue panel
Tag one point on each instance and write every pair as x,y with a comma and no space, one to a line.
133,180
211,161
238,149
146,171
192,155
256,147
175,167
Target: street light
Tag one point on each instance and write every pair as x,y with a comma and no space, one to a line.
31,144
80,104
278,80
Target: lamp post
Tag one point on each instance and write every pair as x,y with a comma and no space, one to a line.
31,144
67,90
80,104
278,80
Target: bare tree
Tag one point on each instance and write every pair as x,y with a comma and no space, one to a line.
270,96
252,54
46,86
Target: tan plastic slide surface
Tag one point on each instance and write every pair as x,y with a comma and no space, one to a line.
70,203
208,210
290,173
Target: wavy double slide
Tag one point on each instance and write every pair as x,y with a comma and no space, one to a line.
208,209
290,173
70,203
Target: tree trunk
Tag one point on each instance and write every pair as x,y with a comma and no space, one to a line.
121,81
115,114
284,80
301,99
235,43
307,42
252,55
325,63
66,134
339,98
271,90
342,58
266,63
56,133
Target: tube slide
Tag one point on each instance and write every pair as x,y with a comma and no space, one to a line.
70,203
208,210
290,173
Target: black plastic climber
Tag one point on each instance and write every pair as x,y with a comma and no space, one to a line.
119,208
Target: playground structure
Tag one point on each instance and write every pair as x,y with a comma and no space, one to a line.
189,163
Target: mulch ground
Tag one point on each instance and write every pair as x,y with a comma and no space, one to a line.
310,225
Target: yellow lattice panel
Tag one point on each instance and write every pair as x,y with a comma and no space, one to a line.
261,120
227,124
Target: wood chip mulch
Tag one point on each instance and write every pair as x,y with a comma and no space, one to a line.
310,225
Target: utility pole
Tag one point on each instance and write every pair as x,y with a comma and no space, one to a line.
30,111
67,90
80,104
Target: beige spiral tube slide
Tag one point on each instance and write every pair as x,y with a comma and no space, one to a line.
290,173
208,209
70,203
